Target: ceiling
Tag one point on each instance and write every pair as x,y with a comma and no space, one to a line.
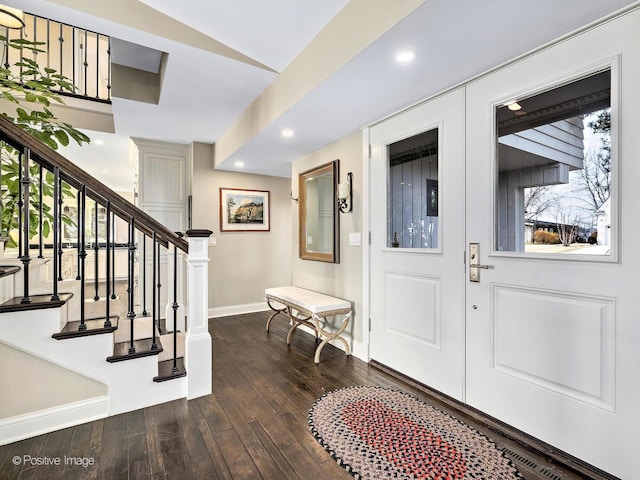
204,92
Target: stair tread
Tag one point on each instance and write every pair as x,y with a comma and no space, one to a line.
142,349
8,270
95,326
37,302
165,370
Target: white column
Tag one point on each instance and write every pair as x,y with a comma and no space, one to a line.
198,341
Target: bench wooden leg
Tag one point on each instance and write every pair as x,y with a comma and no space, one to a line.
277,311
328,336
297,321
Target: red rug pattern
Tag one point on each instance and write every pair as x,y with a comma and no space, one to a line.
377,433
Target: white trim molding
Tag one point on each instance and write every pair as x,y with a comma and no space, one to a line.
44,421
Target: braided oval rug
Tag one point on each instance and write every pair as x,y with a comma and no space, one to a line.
377,433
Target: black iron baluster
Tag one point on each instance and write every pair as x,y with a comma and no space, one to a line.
85,63
59,220
97,65
35,38
6,50
144,274
61,39
21,38
174,305
131,315
109,69
154,345
56,239
25,182
73,57
113,260
107,322
158,295
20,205
80,220
96,250
83,253
40,216
48,43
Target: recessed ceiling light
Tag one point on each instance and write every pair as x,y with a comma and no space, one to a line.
239,164
514,106
405,56
287,133
98,141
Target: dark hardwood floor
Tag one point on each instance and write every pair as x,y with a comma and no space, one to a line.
253,425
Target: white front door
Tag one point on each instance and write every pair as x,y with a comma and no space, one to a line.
553,339
547,337
417,243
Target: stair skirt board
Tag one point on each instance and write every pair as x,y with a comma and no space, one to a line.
44,421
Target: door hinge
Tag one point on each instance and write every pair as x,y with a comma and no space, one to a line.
369,324
369,238
369,153
464,258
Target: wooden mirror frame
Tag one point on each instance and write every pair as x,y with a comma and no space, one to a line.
334,256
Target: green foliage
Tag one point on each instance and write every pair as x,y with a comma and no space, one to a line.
33,90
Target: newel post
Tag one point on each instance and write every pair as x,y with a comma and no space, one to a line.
198,341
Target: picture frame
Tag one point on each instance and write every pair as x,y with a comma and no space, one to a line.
432,198
244,210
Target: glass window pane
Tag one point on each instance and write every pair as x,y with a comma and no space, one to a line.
554,170
412,196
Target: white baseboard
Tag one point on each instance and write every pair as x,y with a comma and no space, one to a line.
237,309
44,421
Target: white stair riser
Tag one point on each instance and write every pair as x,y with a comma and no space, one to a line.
130,383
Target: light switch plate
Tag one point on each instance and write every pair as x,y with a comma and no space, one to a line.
355,238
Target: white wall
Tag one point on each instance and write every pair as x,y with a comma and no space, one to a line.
31,384
242,264
343,280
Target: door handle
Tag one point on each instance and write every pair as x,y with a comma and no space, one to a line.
474,262
484,267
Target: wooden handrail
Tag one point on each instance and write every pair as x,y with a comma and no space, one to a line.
76,177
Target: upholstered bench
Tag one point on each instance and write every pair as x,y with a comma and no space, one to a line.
306,307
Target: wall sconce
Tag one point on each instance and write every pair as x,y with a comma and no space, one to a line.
345,192
11,17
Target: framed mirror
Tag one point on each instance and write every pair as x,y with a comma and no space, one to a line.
318,215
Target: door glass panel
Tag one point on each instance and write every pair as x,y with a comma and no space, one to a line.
412,196
554,170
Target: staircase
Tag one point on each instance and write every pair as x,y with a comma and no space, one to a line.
92,327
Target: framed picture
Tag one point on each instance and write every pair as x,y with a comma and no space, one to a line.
244,210
432,198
